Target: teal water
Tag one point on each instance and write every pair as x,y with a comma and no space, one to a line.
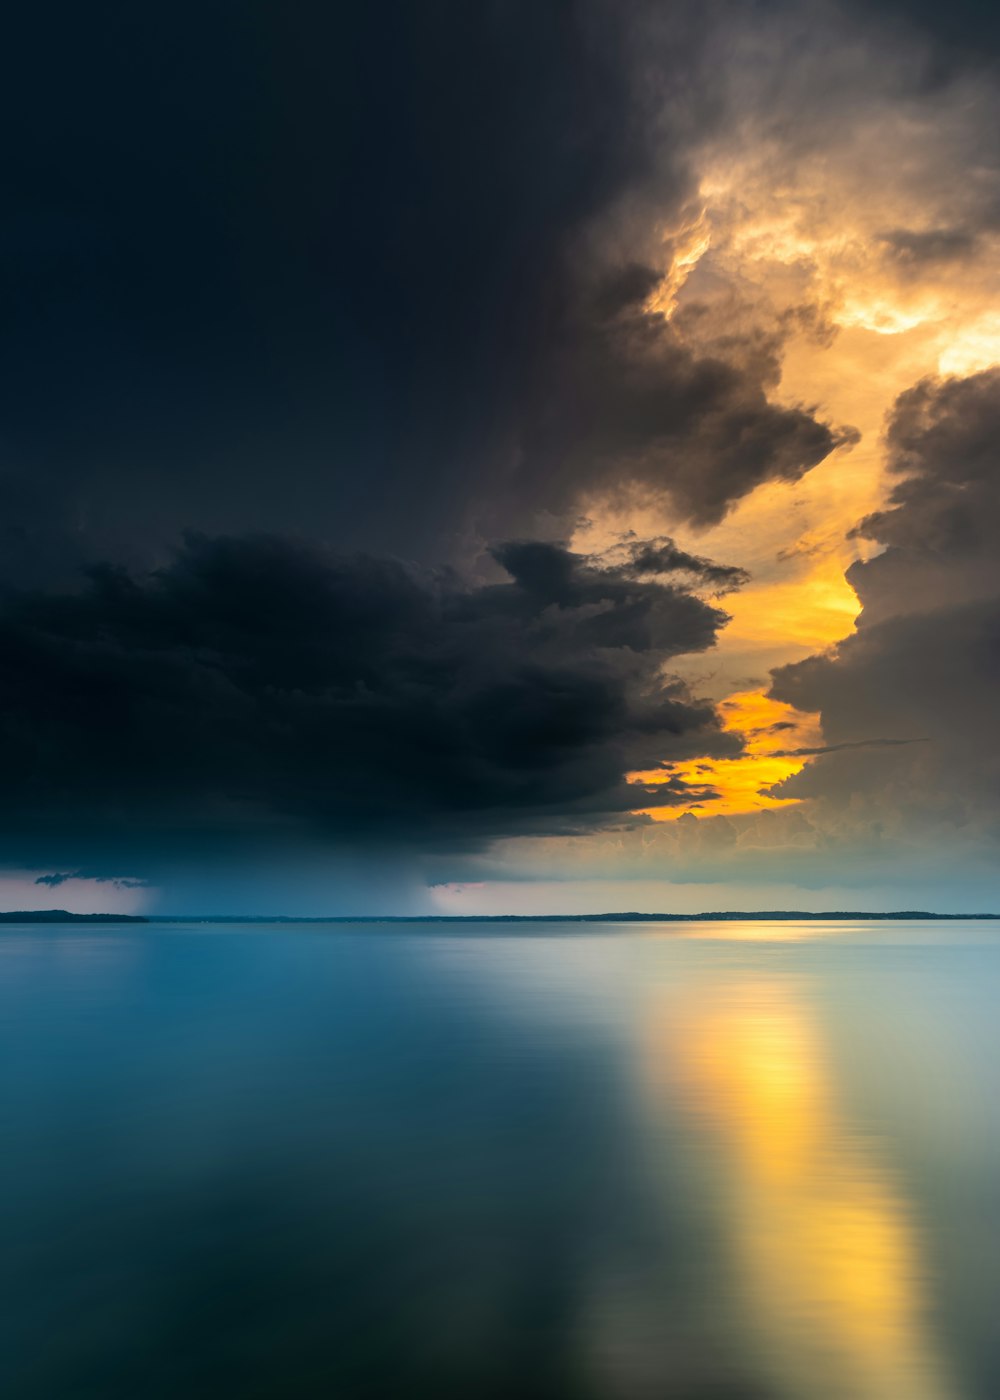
728,1161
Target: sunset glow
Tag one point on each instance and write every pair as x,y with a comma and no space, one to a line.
773,733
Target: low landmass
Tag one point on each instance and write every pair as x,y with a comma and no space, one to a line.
723,916
63,916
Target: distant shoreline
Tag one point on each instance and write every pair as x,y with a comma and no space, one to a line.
726,916
63,916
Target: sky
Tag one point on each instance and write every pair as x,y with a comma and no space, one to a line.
500,457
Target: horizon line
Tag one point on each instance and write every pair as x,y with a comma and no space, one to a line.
622,916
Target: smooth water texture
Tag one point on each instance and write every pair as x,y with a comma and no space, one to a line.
712,1160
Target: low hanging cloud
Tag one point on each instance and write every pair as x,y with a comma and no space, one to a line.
62,877
258,689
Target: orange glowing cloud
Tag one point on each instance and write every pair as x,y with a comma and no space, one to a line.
776,737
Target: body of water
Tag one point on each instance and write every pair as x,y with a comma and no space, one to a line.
739,1161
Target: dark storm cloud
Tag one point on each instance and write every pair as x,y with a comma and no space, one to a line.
919,248
384,277
964,34
256,689
632,558
288,264
625,400
60,877
924,663
942,520
663,556
341,270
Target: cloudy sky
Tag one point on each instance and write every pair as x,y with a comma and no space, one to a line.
508,456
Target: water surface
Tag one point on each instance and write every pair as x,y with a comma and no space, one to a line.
711,1160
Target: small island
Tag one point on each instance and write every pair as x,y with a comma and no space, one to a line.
63,916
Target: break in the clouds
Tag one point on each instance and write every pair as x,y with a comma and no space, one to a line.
257,692
903,794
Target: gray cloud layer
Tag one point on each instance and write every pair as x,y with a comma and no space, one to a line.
924,663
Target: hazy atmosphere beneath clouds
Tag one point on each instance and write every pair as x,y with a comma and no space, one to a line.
500,457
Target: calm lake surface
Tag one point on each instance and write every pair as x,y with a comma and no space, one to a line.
737,1161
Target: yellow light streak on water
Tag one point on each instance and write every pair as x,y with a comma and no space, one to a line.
824,1248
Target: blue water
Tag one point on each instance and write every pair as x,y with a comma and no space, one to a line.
728,1161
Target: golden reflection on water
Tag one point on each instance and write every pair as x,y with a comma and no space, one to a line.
761,930
824,1251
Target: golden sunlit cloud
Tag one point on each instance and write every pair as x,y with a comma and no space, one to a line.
773,733
860,254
